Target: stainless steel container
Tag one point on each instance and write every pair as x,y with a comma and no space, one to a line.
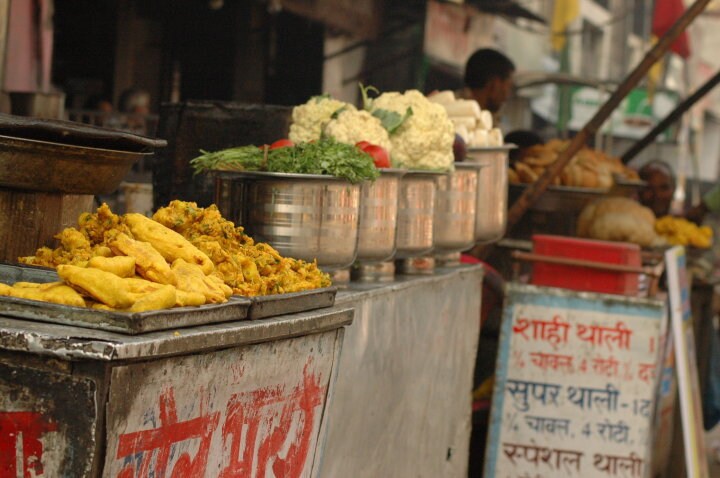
492,198
378,217
455,209
301,215
416,214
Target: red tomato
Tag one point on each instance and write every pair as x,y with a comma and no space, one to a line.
362,145
380,156
281,143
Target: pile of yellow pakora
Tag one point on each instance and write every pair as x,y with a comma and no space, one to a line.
184,256
678,231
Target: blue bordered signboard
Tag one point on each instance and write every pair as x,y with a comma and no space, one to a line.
575,386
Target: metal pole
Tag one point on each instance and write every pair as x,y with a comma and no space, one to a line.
535,190
673,116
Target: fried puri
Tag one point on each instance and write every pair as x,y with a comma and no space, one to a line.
149,263
169,243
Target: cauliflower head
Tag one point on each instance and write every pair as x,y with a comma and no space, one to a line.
425,139
310,118
352,126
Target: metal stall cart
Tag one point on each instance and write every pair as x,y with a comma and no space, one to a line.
238,398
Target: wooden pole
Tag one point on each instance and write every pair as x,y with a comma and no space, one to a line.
533,192
674,115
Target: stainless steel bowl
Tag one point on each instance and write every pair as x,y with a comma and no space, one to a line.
492,199
378,217
416,214
301,215
455,208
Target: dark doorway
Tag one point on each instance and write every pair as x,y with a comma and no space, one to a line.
295,60
84,49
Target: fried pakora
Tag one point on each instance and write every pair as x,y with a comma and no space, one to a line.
167,242
183,298
250,269
55,292
121,266
190,277
211,259
149,263
78,246
100,285
163,298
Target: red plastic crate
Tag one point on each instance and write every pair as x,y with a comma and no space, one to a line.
583,278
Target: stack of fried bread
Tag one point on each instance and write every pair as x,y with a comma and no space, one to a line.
618,219
589,168
134,263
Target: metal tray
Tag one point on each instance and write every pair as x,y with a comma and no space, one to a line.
559,198
574,199
266,306
127,323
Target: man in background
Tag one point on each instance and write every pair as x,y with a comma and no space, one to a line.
489,79
658,193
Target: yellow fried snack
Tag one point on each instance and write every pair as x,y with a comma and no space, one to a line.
149,263
187,299
77,246
141,286
167,242
100,285
121,266
35,285
190,278
245,267
679,231
55,292
162,298
248,268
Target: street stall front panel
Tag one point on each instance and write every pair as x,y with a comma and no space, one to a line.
402,401
221,414
48,419
233,399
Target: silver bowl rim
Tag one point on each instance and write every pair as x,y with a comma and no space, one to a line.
470,165
392,171
272,175
492,149
425,172
72,147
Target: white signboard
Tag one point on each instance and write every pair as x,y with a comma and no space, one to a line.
575,384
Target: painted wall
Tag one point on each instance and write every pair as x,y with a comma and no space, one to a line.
29,47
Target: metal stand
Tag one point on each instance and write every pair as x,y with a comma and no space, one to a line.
416,265
340,277
378,272
448,259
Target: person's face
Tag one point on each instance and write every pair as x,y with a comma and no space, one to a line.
500,91
658,193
